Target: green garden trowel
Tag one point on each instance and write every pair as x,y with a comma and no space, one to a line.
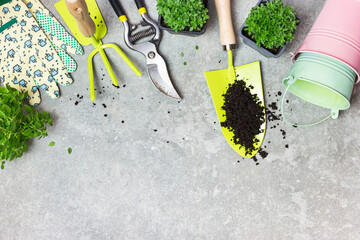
218,81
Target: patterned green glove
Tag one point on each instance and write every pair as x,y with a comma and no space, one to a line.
27,57
62,41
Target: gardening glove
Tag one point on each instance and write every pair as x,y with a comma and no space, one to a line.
27,58
62,41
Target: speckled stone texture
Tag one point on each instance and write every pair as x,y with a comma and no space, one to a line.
155,168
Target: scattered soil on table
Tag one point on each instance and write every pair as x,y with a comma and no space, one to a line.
78,100
274,117
100,90
244,115
263,153
283,133
273,106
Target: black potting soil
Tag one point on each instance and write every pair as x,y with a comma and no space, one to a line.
263,153
271,116
244,115
283,133
273,106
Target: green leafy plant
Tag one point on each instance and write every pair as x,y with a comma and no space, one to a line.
18,124
179,15
272,24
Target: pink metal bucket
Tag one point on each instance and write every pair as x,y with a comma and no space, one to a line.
336,33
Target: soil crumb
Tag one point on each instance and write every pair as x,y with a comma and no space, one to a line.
273,106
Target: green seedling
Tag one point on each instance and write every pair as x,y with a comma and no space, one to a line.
179,15
272,24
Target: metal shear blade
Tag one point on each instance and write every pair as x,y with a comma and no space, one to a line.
160,78
157,69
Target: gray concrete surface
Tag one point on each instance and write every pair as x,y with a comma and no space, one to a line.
124,180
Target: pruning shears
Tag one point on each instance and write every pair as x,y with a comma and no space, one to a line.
156,66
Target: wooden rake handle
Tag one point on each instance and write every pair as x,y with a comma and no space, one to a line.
80,12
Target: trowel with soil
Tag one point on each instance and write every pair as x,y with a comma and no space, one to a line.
237,93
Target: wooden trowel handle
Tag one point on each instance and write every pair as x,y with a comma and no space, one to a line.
227,34
80,12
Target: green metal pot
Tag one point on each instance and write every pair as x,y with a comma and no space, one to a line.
321,80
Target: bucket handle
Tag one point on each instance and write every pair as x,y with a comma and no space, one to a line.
290,80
